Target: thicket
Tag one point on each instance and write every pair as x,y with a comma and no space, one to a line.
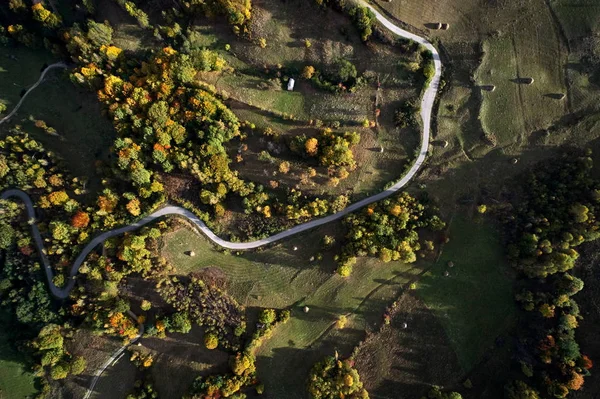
388,229
556,211
362,17
408,114
207,306
329,147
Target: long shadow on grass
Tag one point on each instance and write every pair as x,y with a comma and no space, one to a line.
406,358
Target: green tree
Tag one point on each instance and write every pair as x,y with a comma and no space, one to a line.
180,322
267,316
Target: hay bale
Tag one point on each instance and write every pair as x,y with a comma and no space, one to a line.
437,26
445,26
514,161
528,81
445,143
560,96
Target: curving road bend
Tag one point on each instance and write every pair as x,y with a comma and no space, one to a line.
427,103
114,357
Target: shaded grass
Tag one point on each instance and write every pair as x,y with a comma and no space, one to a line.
15,380
475,303
578,17
84,134
281,277
20,68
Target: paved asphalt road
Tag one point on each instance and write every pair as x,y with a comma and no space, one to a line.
426,109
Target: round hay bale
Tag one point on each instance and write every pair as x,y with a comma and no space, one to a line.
306,309
446,273
514,161
450,263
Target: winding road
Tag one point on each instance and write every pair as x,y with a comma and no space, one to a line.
427,103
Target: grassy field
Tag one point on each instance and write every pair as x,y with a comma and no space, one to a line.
511,39
331,37
374,169
16,382
407,360
579,18
281,277
84,134
475,302
20,68
514,110
579,21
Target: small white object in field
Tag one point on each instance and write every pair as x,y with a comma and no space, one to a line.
192,253
404,325
380,149
295,248
306,309
290,85
446,274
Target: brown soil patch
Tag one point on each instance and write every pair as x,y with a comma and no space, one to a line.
407,360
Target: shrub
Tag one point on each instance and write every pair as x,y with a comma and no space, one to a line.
308,72
211,341
267,316
78,365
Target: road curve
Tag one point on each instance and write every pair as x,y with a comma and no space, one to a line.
427,103
42,76
114,357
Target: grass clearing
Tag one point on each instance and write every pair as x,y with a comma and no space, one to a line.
515,109
20,68
374,169
407,360
475,302
498,115
281,277
578,17
16,382
84,134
